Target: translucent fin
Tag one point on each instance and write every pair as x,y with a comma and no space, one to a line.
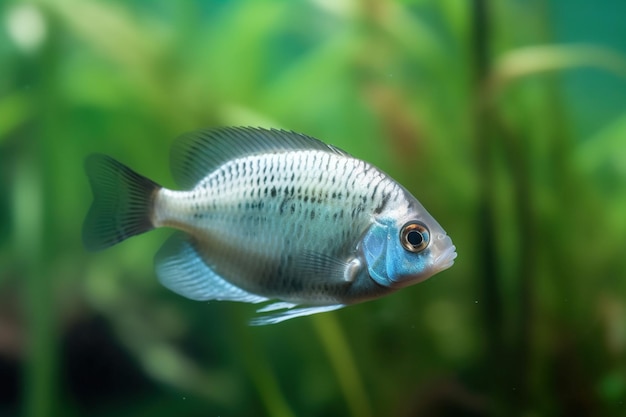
181,269
313,266
122,203
290,314
196,154
281,305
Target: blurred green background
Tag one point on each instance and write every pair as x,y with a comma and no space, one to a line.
507,119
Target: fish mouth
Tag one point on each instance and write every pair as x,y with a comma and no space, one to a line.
446,259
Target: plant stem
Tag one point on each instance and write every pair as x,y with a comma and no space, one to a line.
338,351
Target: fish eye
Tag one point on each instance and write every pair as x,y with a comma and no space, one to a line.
414,236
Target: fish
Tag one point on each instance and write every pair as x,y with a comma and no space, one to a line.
270,216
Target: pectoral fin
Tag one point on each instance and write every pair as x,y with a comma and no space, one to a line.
320,267
290,314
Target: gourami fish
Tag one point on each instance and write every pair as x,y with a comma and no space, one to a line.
270,215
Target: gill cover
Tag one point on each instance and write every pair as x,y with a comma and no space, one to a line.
389,262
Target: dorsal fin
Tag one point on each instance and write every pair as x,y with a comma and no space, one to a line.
196,154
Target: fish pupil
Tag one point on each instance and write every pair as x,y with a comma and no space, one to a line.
415,238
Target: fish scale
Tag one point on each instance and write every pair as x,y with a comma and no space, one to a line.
271,215
225,208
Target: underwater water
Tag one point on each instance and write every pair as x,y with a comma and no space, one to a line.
506,119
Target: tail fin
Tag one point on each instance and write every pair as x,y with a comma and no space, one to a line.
123,203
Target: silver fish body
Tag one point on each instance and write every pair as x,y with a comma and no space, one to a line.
271,215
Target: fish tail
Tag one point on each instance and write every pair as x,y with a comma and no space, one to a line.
123,203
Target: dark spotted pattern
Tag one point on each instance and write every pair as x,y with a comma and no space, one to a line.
271,224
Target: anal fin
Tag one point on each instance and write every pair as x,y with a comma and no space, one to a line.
181,269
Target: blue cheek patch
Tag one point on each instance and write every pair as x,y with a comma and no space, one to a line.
388,263
403,266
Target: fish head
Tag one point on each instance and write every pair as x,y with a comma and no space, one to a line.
405,247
